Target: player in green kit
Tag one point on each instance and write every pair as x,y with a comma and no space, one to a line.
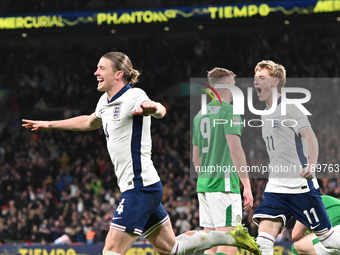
310,244
218,157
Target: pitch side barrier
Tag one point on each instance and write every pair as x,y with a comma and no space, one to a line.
281,248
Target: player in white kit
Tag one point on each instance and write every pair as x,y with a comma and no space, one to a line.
124,113
292,189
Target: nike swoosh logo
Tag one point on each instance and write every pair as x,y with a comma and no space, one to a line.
314,226
116,218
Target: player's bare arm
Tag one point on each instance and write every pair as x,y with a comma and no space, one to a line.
79,123
151,108
196,158
239,159
313,152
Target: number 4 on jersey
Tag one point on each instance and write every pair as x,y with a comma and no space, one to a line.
120,207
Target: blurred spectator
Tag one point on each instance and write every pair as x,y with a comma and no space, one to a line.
90,236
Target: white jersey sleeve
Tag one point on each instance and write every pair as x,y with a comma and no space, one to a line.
139,98
297,119
101,102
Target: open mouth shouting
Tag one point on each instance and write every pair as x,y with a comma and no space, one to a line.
258,90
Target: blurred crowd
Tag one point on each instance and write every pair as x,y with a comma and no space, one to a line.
57,182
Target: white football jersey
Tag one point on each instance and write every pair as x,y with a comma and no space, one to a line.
128,138
287,150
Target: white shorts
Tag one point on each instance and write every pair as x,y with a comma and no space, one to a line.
219,209
322,250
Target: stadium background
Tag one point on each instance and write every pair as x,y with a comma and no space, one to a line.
60,182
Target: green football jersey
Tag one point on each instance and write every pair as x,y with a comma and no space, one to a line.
332,206
217,172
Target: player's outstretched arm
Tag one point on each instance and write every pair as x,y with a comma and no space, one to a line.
80,123
150,108
35,125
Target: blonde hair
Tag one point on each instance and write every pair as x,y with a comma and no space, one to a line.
275,70
121,62
217,74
